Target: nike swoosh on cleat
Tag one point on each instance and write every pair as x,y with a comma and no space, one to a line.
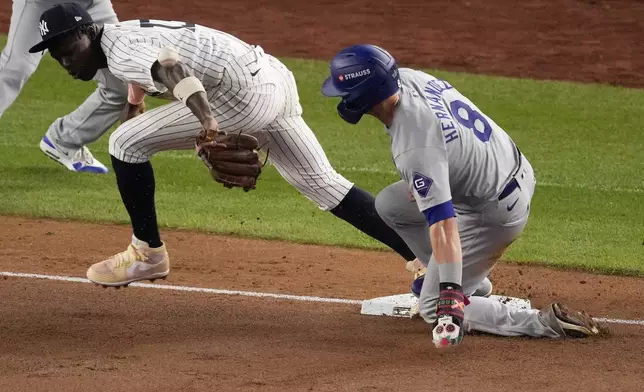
50,144
139,267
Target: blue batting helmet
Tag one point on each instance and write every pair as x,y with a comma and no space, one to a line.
363,75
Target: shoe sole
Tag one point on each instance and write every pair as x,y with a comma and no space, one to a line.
46,150
44,147
125,283
578,325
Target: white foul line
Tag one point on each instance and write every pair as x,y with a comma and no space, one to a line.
193,289
248,293
618,321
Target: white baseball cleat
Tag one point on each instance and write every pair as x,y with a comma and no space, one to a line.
78,161
137,262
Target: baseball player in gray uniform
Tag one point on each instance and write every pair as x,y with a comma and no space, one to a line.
67,137
463,199
220,84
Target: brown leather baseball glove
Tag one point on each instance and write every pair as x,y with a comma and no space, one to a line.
231,158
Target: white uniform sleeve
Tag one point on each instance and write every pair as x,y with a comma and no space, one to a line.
420,154
132,62
426,171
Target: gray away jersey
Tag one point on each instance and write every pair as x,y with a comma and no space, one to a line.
445,148
132,47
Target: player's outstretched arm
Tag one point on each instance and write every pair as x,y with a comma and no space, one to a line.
447,252
231,159
178,78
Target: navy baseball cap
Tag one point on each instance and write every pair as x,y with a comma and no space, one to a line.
58,20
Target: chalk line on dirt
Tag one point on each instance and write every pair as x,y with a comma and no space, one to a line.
247,293
193,289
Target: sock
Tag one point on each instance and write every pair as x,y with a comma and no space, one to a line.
359,209
136,185
450,273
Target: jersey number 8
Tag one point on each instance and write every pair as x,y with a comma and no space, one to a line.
471,119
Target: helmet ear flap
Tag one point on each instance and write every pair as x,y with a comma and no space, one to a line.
347,114
352,110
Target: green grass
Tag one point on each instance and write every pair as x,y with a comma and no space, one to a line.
584,141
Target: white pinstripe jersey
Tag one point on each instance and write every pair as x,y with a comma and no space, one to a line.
132,47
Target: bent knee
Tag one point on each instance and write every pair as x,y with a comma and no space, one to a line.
110,89
116,145
15,78
121,148
19,65
394,206
112,97
327,192
384,203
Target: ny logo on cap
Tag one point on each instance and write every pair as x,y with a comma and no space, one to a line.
43,28
77,18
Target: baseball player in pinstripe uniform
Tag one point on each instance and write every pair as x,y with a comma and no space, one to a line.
67,137
463,198
221,84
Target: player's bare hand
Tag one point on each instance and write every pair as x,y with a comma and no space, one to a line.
210,127
210,124
130,111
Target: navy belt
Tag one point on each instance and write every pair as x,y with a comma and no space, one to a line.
513,184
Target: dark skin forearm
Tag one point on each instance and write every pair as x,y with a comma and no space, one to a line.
197,103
